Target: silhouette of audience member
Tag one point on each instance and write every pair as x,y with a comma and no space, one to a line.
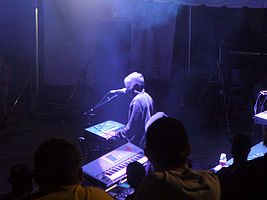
20,178
135,174
241,145
249,181
167,147
58,173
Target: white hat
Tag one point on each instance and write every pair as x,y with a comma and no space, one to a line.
154,118
135,78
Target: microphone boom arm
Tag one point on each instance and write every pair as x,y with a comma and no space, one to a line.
102,102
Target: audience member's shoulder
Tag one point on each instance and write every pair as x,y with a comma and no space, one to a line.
97,193
253,169
224,172
205,173
210,175
155,177
69,192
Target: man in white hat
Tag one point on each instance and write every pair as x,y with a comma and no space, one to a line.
140,109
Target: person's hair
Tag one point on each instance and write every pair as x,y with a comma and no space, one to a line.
167,142
135,174
241,144
57,163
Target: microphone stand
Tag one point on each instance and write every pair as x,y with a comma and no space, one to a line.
90,114
102,102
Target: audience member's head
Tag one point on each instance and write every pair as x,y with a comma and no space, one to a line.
167,145
135,174
57,163
241,145
21,179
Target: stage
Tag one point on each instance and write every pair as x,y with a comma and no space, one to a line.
202,65
207,132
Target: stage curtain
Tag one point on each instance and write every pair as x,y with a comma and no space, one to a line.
152,36
219,3
87,39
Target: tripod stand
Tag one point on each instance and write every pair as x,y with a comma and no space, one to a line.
32,103
81,79
219,79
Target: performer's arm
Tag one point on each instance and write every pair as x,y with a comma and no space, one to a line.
134,121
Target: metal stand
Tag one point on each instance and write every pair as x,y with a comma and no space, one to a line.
91,113
81,79
28,83
103,101
31,79
220,82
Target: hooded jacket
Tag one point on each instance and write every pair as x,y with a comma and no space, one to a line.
180,184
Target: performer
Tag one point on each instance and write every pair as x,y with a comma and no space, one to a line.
4,76
140,109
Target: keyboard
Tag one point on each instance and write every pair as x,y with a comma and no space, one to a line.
111,167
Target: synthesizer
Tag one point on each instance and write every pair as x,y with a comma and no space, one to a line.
107,129
111,167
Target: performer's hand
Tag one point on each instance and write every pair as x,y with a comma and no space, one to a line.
125,137
121,134
117,136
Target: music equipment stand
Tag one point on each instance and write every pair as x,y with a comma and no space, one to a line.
220,82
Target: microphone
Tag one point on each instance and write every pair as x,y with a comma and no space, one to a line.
89,112
118,91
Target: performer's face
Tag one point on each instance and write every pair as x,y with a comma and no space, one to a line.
130,88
